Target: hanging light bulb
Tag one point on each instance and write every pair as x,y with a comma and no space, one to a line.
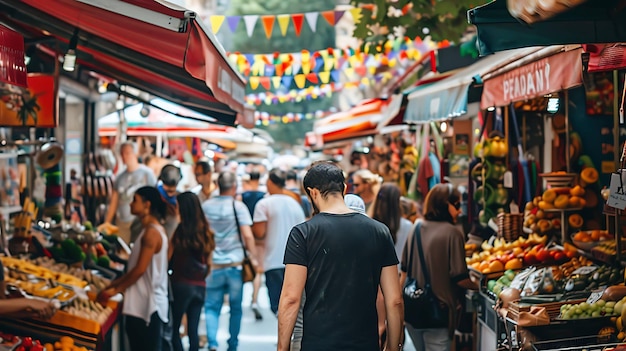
443,126
69,60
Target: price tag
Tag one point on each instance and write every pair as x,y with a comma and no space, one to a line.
585,270
617,195
508,180
595,296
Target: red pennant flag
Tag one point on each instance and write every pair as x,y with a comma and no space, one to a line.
298,20
265,82
268,25
312,77
361,70
329,16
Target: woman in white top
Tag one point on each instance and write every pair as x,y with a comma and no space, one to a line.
145,284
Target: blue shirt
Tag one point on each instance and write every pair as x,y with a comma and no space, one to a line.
219,212
436,178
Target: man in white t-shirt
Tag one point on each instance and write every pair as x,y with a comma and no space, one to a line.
274,216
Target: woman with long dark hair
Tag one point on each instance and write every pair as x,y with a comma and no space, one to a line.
190,253
387,210
146,305
444,256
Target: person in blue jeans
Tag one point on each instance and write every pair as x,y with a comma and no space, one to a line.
224,213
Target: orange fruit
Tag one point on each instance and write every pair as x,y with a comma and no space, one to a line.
515,263
496,266
483,265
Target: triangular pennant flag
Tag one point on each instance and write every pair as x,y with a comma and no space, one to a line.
325,77
250,22
356,14
349,72
297,19
283,23
296,67
233,22
329,16
312,77
268,25
300,80
311,19
319,64
254,82
362,70
306,67
216,23
338,15
269,70
286,80
249,58
265,82
335,75
276,82
372,69
329,63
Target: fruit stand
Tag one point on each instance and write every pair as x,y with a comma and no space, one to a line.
68,265
560,285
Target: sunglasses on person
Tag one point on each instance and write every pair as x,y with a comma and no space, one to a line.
457,205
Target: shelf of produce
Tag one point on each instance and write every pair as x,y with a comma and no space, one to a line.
564,224
85,332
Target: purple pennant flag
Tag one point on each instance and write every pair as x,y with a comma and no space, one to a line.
287,81
233,22
269,70
338,15
335,75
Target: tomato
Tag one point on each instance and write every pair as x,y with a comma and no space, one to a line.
559,256
543,255
27,341
530,259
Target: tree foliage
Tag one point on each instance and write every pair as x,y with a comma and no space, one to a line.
258,43
441,19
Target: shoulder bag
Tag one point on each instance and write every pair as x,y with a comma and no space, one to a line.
422,309
248,271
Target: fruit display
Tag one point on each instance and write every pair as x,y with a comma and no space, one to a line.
28,343
495,147
96,281
29,268
588,176
584,310
587,239
88,309
496,286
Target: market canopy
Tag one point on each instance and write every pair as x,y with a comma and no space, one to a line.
598,21
448,97
152,45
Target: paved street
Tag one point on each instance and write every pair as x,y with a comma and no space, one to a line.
255,335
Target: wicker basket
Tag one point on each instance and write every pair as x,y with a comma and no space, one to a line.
510,226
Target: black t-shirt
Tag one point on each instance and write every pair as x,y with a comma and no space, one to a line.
250,198
344,255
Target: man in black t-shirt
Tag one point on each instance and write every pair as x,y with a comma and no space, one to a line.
342,257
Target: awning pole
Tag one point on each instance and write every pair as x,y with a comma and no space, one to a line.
159,145
616,96
567,152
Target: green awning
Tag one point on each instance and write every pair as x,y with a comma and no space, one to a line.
591,22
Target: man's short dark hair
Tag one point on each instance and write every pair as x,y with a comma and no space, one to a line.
254,175
292,175
325,177
226,181
278,177
206,165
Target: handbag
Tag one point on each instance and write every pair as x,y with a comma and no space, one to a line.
248,271
422,309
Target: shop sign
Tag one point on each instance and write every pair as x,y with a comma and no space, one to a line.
12,63
547,75
34,106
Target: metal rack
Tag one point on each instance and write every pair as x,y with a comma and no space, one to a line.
581,343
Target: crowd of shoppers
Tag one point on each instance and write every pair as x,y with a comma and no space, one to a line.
333,263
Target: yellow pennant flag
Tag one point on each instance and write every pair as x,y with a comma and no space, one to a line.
254,82
324,76
356,14
216,23
365,81
329,63
349,72
306,67
300,80
372,70
276,82
283,23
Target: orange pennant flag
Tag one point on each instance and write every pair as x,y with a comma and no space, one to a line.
265,82
298,20
276,82
312,77
329,16
254,82
283,23
300,80
268,25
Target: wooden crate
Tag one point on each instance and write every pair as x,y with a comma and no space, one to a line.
553,308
